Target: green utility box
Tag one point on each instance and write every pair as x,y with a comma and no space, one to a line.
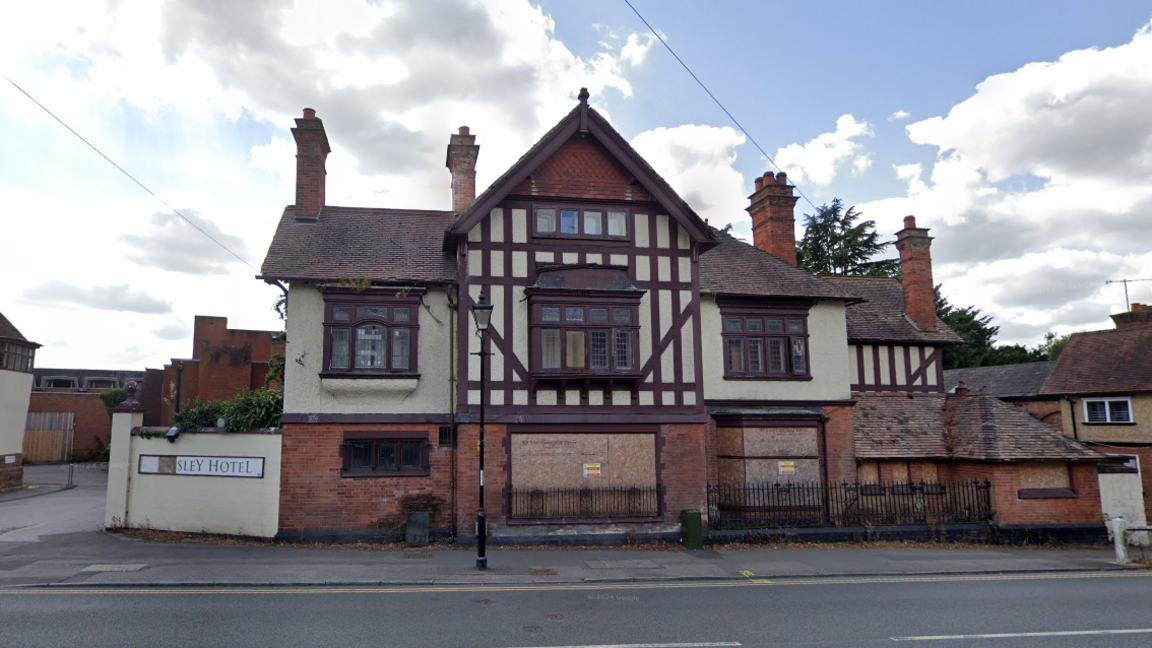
691,533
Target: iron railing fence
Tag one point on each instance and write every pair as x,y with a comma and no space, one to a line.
810,504
608,502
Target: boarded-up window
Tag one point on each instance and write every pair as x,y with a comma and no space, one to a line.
931,474
900,472
868,473
1049,474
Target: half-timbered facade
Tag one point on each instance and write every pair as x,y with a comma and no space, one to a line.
634,352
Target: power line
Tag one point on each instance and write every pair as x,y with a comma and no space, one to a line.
130,177
705,88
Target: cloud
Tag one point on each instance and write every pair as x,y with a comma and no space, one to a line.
111,298
818,160
899,115
174,331
697,161
277,157
1041,189
172,244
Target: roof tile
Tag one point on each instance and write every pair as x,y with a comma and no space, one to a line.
1102,362
880,317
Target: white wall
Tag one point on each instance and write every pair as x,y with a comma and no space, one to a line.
306,393
225,505
827,351
15,390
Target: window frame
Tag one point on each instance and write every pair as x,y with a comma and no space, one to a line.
15,356
390,299
378,438
1107,400
537,324
580,209
786,312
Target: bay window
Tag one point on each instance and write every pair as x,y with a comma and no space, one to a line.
584,339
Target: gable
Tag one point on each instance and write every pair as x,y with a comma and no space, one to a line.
582,168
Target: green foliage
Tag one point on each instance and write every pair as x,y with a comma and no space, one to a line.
275,373
979,348
837,242
113,398
248,410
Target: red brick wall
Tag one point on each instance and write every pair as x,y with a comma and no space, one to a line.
581,168
712,462
840,443
1010,509
773,210
496,447
683,470
313,495
225,371
215,331
12,475
93,424
1046,411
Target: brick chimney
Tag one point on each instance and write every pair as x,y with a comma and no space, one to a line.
462,154
916,265
1139,317
773,219
311,151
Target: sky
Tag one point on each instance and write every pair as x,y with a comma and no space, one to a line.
1019,133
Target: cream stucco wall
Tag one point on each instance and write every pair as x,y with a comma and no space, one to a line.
306,393
1140,431
224,505
827,349
15,391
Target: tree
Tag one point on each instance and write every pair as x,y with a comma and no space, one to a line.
276,362
979,348
1052,345
837,242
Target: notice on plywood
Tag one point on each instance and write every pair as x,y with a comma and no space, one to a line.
591,470
787,467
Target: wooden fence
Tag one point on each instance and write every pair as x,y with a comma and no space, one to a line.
48,436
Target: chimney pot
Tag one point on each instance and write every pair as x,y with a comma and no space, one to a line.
915,246
961,388
309,113
773,221
782,178
759,182
463,130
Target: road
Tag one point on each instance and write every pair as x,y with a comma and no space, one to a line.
1057,611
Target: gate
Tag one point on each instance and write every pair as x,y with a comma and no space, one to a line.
48,437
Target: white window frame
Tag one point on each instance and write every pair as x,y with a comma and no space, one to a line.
1107,410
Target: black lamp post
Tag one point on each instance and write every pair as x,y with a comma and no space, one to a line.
482,313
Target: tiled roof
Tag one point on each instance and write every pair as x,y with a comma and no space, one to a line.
734,267
1006,381
352,243
8,331
880,317
973,426
1103,362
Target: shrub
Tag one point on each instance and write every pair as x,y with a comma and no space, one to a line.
113,398
261,408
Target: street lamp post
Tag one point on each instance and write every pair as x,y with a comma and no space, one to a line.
482,314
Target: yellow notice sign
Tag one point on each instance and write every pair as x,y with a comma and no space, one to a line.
592,470
787,467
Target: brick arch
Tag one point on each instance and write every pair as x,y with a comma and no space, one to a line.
582,168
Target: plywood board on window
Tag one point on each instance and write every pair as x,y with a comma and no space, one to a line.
780,442
730,442
731,472
557,460
1049,474
767,471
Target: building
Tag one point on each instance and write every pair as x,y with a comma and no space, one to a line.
1018,384
68,419
636,358
17,356
1103,382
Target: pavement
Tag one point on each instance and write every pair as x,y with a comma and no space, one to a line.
55,540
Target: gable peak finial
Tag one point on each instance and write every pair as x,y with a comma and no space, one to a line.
583,96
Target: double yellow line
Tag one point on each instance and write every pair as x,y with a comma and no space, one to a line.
750,581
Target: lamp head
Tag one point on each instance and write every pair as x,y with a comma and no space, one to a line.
482,313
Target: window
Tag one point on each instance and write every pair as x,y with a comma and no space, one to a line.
582,223
767,343
591,339
1108,410
58,382
385,457
371,335
16,357
101,383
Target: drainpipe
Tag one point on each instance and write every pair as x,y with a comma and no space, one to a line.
1072,415
823,466
452,377
179,383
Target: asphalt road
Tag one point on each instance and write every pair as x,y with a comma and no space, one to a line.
1113,610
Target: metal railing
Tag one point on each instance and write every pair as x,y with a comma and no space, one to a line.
576,503
810,504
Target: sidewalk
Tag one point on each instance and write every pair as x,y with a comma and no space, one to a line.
114,560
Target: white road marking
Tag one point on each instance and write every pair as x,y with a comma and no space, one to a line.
717,644
1011,635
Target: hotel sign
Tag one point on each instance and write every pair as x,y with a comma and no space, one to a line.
198,466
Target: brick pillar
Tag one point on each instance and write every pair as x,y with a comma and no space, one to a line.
773,219
312,150
915,245
461,161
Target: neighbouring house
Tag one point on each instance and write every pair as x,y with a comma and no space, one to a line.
1018,384
17,355
67,418
1103,381
224,362
637,364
